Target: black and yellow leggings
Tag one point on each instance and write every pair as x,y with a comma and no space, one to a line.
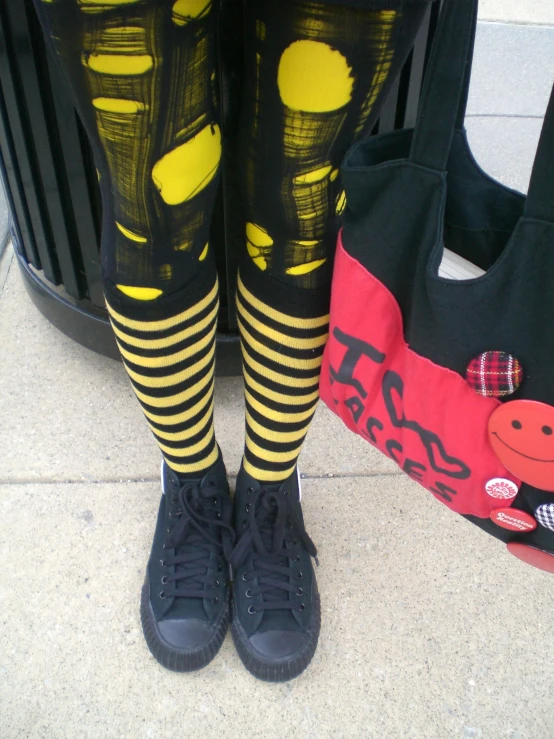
142,74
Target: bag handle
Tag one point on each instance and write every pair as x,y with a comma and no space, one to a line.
444,97
462,106
540,197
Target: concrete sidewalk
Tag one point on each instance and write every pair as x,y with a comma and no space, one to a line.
518,11
430,629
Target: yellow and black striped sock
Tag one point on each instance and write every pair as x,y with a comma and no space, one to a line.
168,349
281,349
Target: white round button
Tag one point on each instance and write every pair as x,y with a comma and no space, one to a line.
498,487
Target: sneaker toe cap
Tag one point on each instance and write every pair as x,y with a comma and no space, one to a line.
278,644
185,633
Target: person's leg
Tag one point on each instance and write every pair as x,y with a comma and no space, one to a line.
142,77
316,77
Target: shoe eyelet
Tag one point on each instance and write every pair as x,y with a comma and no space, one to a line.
164,580
162,595
299,575
170,515
244,578
219,567
162,562
216,583
168,530
248,507
248,593
297,558
214,501
286,492
214,600
218,515
302,607
251,610
250,491
244,524
299,591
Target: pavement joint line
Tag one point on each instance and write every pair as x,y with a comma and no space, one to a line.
80,481
516,22
505,115
133,481
349,475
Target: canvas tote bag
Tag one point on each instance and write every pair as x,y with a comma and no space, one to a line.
451,379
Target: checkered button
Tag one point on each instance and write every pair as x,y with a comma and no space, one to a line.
545,515
494,374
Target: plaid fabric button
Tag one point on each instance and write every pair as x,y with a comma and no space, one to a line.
494,374
545,515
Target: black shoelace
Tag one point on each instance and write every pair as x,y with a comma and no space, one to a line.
273,533
200,530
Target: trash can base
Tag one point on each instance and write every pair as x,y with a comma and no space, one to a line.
91,328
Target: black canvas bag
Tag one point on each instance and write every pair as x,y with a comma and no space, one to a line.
410,194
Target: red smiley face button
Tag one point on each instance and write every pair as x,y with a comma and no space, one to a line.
535,557
513,519
522,436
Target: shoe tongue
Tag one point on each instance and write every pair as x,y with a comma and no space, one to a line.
189,607
279,621
282,618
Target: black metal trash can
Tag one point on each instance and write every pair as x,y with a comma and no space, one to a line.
51,181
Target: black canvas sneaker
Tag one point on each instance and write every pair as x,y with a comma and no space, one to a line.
276,609
185,597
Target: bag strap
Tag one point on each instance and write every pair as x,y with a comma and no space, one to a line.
462,106
444,97
444,100
540,198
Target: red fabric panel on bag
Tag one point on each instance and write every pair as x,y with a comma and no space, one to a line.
423,416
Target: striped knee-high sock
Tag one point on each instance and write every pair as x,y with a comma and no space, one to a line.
168,349
283,332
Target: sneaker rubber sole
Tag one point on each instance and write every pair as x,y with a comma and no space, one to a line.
278,671
178,660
